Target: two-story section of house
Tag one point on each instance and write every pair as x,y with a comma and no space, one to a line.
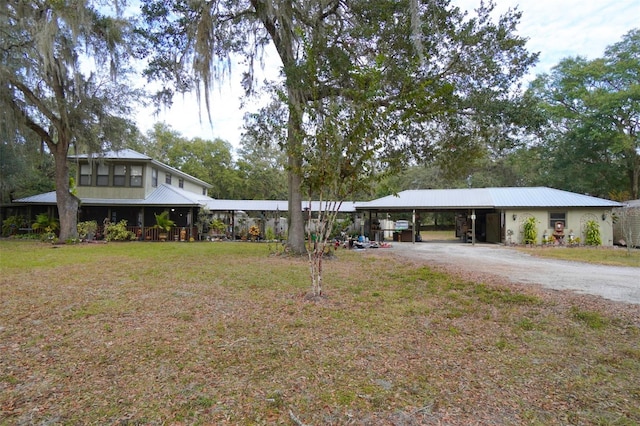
127,185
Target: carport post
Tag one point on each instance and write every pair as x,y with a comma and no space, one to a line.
413,227
473,227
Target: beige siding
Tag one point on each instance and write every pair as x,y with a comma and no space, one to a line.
575,223
110,192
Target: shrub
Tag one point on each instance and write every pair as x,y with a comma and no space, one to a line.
118,232
88,229
270,234
530,231
46,222
11,225
592,237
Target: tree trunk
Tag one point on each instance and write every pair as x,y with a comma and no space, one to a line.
635,179
295,239
296,221
67,202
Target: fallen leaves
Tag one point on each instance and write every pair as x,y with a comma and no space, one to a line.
228,338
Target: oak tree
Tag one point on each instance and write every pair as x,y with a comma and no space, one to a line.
434,77
591,139
52,90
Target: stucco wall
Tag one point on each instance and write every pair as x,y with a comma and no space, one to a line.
575,223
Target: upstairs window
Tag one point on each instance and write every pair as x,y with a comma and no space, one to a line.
181,183
119,175
167,178
135,177
85,175
102,178
154,177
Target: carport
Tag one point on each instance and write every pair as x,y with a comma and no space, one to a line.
497,215
474,210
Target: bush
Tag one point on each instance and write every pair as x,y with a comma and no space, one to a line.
88,229
11,225
46,222
592,237
118,232
530,231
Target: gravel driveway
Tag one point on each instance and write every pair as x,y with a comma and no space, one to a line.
616,283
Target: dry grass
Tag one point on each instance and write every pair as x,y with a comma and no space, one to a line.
220,333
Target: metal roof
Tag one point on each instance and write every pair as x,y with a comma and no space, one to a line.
419,199
484,198
163,195
45,198
270,205
167,195
123,154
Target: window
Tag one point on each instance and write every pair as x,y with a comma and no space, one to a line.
204,191
154,177
181,183
119,175
103,175
555,217
167,178
135,177
85,175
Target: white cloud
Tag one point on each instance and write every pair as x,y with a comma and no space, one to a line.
555,28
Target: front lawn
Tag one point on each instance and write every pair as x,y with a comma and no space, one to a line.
220,333
615,256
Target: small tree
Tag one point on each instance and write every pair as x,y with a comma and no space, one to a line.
341,159
530,231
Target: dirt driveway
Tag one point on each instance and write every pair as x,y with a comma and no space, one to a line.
621,284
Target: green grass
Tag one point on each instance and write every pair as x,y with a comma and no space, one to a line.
221,333
615,256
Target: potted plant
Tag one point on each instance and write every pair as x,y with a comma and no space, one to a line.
164,224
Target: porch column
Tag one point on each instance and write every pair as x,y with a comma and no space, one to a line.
473,227
413,227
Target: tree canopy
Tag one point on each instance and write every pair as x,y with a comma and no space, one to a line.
51,90
591,138
433,78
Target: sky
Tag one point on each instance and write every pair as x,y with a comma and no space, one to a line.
555,28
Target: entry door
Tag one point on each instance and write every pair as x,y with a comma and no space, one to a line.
493,228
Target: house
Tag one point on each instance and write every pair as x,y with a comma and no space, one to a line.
127,185
498,215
